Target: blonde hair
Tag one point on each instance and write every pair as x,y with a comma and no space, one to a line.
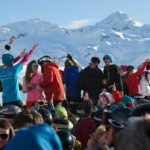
100,131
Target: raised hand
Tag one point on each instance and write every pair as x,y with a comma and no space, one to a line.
113,87
35,46
86,96
12,39
69,56
23,53
148,59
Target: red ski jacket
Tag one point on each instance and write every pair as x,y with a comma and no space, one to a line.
52,82
133,83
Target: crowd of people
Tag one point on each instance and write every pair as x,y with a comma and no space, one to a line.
76,108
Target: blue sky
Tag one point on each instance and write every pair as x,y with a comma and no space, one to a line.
71,13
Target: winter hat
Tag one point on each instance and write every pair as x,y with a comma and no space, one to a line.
42,136
124,67
127,101
130,68
106,98
68,63
7,59
97,117
121,114
73,108
61,112
110,57
85,109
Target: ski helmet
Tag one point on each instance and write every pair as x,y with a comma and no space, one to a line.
66,138
47,116
9,112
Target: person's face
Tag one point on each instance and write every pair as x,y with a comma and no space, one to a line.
4,137
102,141
34,67
101,103
93,64
107,61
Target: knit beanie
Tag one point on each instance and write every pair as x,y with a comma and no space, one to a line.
61,112
110,57
106,98
7,59
68,63
127,101
124,67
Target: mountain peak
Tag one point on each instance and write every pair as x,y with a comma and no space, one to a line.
119,21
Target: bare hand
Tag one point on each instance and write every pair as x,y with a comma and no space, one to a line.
148,60
113,87
35,46
86,96
12,39
23,53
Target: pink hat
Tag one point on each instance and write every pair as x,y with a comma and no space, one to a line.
124,67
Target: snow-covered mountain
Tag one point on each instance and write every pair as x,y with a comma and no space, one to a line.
118,34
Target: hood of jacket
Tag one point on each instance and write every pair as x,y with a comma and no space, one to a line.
42,137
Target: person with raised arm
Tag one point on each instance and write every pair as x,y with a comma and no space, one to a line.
9,77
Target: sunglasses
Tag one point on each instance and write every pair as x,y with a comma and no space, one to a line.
35,66
3,136
95,62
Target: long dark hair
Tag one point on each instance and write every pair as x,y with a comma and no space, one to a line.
28,76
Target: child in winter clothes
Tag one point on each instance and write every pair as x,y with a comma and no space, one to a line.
9,78
132,80
33,77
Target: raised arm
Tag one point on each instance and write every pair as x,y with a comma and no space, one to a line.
11,41
140,71
22,54
27,56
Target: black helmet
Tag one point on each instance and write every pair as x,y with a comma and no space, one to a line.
62,123
66,138
9,111
121,115
43,59
47,116
141,110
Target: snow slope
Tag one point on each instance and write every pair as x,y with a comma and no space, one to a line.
118,34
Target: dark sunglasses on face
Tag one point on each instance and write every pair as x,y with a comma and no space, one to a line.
95,62
35,66
3,136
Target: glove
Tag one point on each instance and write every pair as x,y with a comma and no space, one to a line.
7,47
69,56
